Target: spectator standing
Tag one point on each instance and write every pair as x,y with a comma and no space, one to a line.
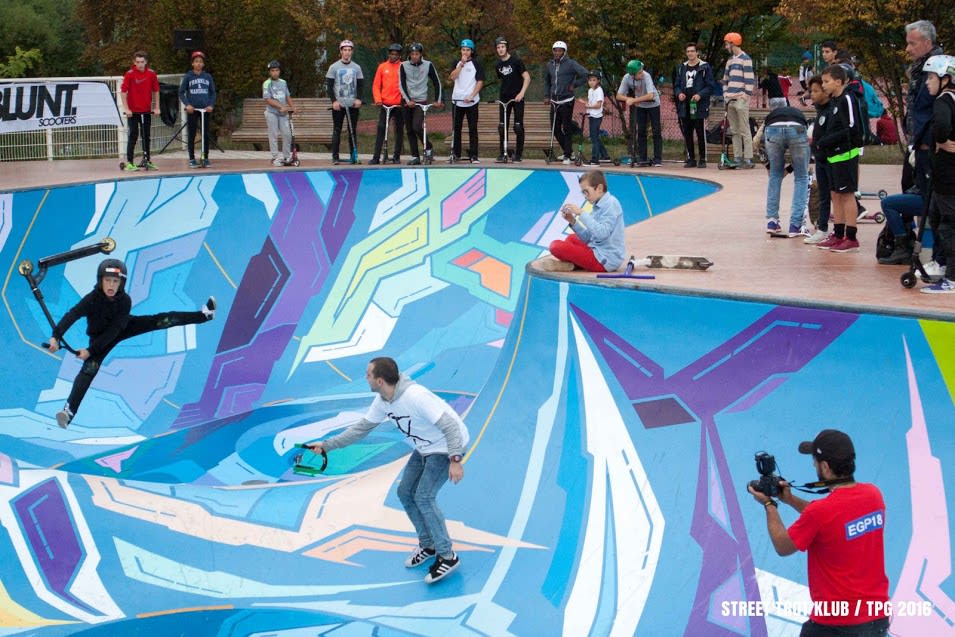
563,76
739,82
514,80
344,82
595,114
694,80
139,94
468,78
197,92
416,73
785,128
278,109
940,80
640,95
386,91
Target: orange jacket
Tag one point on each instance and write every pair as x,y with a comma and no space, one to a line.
385,87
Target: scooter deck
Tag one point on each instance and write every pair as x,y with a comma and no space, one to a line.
677,262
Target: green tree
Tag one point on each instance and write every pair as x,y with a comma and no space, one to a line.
19,64
48,26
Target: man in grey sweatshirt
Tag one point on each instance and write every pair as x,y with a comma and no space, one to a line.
438,436
415,74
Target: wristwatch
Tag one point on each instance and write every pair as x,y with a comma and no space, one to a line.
455,458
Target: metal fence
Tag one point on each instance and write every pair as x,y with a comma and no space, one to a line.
82,142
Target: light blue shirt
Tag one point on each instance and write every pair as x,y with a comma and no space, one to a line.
602,230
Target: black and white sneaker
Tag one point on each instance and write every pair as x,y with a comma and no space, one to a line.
209,309
441,568
419,556
64,417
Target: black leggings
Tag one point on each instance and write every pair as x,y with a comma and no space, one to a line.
689,127
138,123
137,325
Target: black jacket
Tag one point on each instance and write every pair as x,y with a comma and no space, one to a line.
106,318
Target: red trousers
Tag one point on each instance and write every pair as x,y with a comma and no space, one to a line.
577,252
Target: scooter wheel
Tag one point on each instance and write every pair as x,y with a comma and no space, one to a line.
616,162
25,267
296,163
109,244
882,195
879,217
907,280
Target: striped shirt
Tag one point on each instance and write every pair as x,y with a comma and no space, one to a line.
738,78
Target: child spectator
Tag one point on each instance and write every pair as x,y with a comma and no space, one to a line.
940,81
108,322
197,92
597,244
820,100
595,113
140,96
845,134
278,109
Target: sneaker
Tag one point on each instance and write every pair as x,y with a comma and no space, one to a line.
846,245
374,161
193,163
501,159
206,164
773,227
593,162
794,231
701,163
657,163
148,165
816,237
336,161
565,161
747,163
277,162
475,160
396,159
561,158
415,161
64,417
643,163
934,270
441,568
689,163
551,264
516,159
130,167
419,556
942,286
831,241
209,309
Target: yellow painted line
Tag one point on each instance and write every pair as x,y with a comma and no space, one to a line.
225,274
176,611
13,266
338,371
507,376
170,403
643,191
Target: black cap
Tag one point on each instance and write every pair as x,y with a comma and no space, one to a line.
830,445
395,47
416,47
594,73
500,40
274,64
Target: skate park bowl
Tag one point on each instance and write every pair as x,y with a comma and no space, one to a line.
612,429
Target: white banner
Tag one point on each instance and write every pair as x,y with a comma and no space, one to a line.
42,105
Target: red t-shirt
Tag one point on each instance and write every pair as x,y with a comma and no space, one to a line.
846,556
139,89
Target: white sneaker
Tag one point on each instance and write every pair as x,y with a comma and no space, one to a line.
64,417
566,161
942,286
934,270
277,162
551,264
816,237
209,309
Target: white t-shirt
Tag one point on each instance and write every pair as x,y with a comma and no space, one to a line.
415,413
595,95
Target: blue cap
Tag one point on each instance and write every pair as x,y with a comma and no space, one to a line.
467,42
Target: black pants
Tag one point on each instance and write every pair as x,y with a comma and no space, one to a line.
689,127
825,196
338,118
640,117
470,112
564,126
414,124
192,126
137,325
504,121
138,122
398,118
875,628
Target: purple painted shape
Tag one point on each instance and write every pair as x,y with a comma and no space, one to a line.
663,412
757,395
45,519
729,591
780,342
115,461
304,240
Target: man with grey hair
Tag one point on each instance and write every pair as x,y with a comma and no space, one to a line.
921,44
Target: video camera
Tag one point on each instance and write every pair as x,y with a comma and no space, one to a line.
768,483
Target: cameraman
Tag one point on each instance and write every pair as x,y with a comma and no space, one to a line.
843,536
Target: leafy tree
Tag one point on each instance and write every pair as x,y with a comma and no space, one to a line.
48,26
18,64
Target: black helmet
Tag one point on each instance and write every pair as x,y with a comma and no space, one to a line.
274,64
395,47
417,46
114,268
594,73
500,40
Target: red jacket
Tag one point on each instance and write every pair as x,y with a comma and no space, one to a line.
385,87
139,89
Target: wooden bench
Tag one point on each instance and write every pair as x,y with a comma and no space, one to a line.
312,120
717,111
537,127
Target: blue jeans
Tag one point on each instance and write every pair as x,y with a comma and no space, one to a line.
597,150
418,490
900,210
778,139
